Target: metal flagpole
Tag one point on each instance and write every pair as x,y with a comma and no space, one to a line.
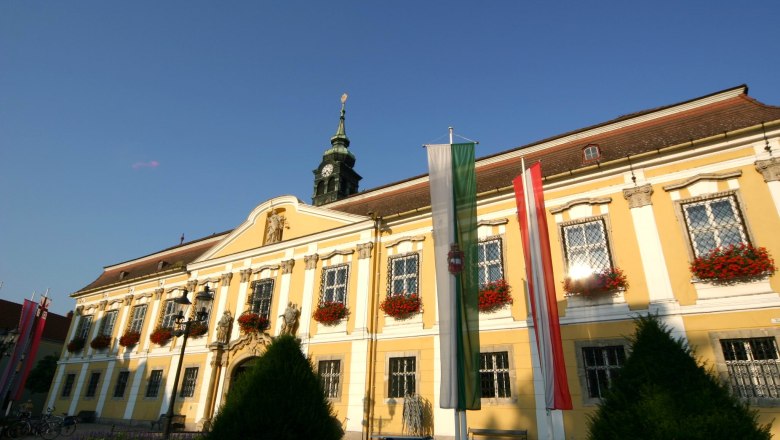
455,376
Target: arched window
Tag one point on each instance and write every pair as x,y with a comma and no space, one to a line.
321,188
591,153
332,185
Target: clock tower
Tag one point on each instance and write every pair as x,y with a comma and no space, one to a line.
334,178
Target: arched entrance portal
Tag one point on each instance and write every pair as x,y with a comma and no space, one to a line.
242,368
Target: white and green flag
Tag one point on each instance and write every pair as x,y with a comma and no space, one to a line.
453,186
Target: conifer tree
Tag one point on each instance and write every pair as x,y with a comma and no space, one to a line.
279,398
664,393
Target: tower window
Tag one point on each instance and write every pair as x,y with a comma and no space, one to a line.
591,153
332,185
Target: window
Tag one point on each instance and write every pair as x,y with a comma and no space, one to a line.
586,248
68,387
188,383
713,223
94,378
82,332
494,374
403,372
121,383
602,366
753,366
489,261
107,323
591,153
334,284
137,320
403,274
169,314
260,299
330,373
153,386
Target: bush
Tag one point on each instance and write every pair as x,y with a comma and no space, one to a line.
662,392
279,398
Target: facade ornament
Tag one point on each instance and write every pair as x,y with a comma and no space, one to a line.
769,168
102,305
224,280
290,319
274,226
638,196
287,266
79,310
158,293
245,274
364,250
192,285
128,300
311,261
223,327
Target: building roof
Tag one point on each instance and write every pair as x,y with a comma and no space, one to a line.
56,328
626,136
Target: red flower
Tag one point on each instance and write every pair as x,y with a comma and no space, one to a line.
129,339
598,283
161,335
732,263
101,342
76,345
401,306
494,295
330,313
252,322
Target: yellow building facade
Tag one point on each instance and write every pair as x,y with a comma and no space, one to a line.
645,193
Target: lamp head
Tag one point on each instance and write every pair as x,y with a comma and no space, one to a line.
183,298
205,295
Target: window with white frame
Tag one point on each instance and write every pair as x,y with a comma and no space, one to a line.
591,153
188,382
714,222
170,310
85,323
489,260
494,375
329,372
107,323
137,318
403,376
334,284
753,366
261,296
602,366
586,248
403,274
153,386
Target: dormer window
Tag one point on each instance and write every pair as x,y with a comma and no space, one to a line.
123,274
161,264
591,153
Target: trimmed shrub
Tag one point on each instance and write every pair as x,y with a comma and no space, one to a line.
663,392
279,398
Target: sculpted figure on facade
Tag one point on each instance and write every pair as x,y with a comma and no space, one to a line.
290,319
273,229
223,327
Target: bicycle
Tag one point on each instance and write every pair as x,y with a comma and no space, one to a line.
66,423
40,427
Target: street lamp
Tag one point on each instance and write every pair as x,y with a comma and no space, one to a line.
7,342
184,329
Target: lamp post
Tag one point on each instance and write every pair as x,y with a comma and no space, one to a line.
184,330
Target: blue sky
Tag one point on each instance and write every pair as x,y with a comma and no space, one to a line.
125,124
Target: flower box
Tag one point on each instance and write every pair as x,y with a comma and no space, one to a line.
198,329
597,284
494,296
76,345
252,322
330,313
733,264
101,342
401,306
161,335
129,339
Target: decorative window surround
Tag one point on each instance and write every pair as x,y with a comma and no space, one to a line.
602,307
397,241
582,372
339,330
755,290
573,203
337,252
705,177
409,326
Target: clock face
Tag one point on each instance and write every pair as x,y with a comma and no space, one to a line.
327,170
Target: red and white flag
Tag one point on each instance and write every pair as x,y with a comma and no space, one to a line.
541,287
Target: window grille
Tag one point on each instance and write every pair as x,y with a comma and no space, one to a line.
153,386
714,223
334,284
602,366
403,274
753,366
188,383
402,376
121,383
107,324
490,261
84,325
494,374
330,373
169,314
93,383
137,320
260,299
586,247
68,387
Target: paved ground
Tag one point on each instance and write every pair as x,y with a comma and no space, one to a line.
100,431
